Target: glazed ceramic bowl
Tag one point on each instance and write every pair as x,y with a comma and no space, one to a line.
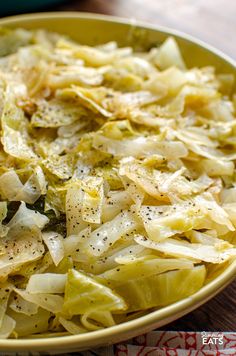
94,29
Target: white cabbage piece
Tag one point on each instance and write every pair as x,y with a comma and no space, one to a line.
201,212
135,192
142,176
20,251
74,205
230,209
69,131
71,326
139,147
168,55
228,195
23,242
197,135
107,234
65,76
10,185
20,305
50,283
93,196
5,291
216,167
12,189
92,56
83,97
160,184
164,221
172,79
220,110
55,245
123,103
212,153
136,65
210,207
74,244
50,302
206,238
60,166
56,113
126,252
188,95
115,202
26,220
196,251
7,327
177,184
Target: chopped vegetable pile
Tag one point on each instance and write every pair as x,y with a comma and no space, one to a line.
117,181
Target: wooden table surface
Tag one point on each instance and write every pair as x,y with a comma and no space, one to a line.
213,21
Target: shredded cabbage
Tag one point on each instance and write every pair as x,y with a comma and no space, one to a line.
117,181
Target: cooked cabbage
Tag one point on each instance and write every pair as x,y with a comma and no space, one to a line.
117,181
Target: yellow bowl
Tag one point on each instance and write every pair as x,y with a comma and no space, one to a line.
93,29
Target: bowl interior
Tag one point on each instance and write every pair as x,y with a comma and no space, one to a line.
93,29
96,29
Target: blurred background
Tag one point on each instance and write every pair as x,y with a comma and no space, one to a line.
212,21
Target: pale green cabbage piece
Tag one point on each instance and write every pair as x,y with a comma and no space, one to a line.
163,289
83,294
97,320
14,129
144,268
30,324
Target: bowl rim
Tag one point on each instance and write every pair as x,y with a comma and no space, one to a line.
169,312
